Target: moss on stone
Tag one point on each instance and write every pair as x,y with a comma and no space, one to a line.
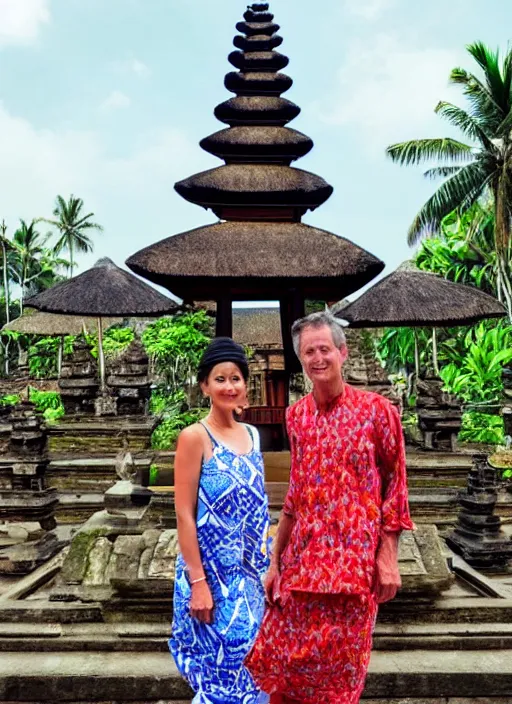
77,559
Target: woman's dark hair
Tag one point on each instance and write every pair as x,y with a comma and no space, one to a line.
222,349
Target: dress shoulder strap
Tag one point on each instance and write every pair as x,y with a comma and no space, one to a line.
210,434
255,437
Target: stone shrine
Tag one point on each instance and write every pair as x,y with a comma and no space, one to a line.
439,415
478,535
128,381
24,495
78,382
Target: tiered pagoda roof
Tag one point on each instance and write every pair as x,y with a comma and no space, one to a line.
260,248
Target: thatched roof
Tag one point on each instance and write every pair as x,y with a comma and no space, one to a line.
257,327
255,143
103,290
260,6
255,185
258,60
255,16
257,42
257,83
409,298
34,322
256,259
256,109
252,28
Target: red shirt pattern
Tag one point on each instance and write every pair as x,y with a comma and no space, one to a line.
347,483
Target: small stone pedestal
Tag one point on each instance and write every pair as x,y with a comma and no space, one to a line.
24,496
439,415
78,383
129,382
478,536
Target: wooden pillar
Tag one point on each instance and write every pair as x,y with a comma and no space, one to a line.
291,308
224,318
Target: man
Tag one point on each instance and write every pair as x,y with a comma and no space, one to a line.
335,554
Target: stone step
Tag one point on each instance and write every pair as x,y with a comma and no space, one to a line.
106,644
36,611
100,677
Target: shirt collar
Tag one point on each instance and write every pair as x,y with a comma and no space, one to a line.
336,401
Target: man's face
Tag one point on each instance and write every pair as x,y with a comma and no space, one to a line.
321,359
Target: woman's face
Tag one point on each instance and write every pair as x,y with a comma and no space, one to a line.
225,386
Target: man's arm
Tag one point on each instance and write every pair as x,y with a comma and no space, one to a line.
395,507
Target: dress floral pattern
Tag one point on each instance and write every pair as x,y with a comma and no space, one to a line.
232,532
347,484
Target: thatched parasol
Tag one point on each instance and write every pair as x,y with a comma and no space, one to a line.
103,290
413,298
34,322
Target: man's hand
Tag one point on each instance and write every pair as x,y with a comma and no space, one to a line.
387,575
271,583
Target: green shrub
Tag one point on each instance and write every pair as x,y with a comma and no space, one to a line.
48,403
165,435
482,428
153,475
9,400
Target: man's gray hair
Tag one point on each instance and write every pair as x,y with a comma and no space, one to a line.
318,320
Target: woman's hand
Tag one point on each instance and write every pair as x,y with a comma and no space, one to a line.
201,602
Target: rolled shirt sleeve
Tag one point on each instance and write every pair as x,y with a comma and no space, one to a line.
391,458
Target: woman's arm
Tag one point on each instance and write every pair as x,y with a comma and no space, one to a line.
187,472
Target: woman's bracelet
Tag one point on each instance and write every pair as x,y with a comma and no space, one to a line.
200,579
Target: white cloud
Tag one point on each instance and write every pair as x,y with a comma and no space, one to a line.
388,91
117,100
368,9
21,20
129,194
132,66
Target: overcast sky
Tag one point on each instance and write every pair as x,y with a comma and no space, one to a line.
108,99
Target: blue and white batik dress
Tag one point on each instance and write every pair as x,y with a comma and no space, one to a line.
232,531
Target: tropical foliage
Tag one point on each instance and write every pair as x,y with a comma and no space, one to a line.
480,167
31,262
176,345
482,428
46,402
475,362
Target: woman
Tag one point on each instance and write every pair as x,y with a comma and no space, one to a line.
222,513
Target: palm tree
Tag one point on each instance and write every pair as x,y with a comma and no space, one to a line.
6,246
72,226
476,170
30,257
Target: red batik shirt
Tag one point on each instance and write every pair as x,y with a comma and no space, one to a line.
347,484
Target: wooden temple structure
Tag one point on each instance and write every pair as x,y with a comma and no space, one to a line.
260,249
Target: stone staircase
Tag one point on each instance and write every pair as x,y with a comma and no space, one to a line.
76,657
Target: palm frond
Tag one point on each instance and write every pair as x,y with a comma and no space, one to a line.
485,108
465,186
419,150
466,123
489,62
441,171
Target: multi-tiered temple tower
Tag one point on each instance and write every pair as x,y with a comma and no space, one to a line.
259,249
